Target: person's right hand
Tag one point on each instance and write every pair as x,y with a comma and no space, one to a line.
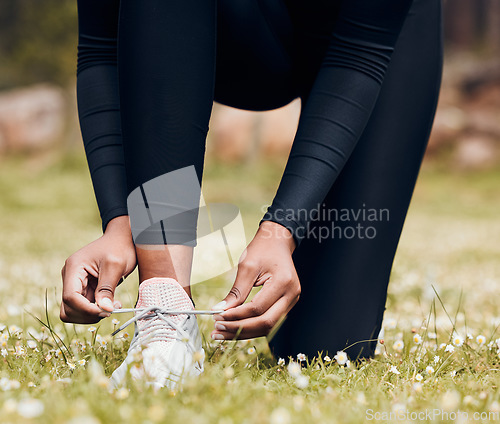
91,275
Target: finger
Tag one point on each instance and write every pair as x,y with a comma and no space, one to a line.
245,278
69,315
109,274
256,326
267,296
74,281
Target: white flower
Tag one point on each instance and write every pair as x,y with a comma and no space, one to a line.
281,362
394,370
429,370
251,350
14,329
450,400
398,345
436,359
280,416
398,407
301,357
442,345
481,340
125,335
115,321
71,365
417,339
31,384
453,373
30,408
14,384
432,335
449,348
20,351
495,406
82,362
229,372
458,340
294,369
390,324
417,387
419,377
122,393
31,344
4,338
327,359
301,381
4,352
468,400
92,329
341,357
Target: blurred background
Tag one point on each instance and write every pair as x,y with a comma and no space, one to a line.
47,207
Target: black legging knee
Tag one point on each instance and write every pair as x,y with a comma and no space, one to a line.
145,99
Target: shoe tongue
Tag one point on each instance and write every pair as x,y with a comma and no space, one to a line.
163,292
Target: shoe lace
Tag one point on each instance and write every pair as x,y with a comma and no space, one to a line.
159,326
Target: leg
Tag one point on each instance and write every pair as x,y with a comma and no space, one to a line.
344,278
166,74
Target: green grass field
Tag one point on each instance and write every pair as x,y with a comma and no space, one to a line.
439,361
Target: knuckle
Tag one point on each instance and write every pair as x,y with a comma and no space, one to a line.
69,262
106,288
255,309
235,292
248,265
298,291
268,324
67,298
287,277
63,317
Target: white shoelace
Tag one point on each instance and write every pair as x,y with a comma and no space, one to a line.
153,312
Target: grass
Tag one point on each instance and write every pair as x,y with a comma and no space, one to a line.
445,281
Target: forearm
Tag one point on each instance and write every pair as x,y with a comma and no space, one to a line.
99,104
338,108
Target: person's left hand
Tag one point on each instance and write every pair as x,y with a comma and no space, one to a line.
266,262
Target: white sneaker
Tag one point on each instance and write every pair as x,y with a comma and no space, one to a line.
166,346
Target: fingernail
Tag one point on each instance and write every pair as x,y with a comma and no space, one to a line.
117,304
220,305
104,314
217,337
106,304
219,327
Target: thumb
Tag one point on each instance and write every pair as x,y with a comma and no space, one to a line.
109,276
245,279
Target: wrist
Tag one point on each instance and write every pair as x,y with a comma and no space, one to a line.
119,226
276,232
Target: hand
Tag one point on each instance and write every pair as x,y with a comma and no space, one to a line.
91,275
266,262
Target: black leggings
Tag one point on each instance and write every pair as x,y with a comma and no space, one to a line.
149,70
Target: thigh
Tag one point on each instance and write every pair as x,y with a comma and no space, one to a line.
254,54
344,276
